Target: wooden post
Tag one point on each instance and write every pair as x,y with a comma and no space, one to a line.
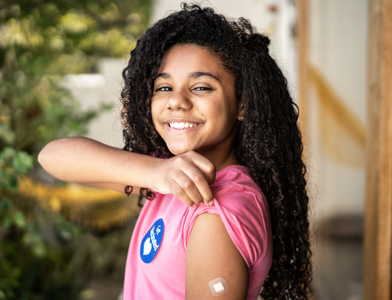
378,221
302,40
302,23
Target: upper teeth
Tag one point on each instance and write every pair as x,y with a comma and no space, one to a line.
182,125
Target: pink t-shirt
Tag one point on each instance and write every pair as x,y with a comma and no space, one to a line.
155,266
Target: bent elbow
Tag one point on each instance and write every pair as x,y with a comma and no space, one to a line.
48,156
44,157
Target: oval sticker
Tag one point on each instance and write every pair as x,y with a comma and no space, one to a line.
152,241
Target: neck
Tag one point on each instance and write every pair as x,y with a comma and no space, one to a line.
221,160
223,154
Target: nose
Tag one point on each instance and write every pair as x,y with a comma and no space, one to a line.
179,100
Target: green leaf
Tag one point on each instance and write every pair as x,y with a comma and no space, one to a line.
19,219
5,204
12,183
7,153
3,178
39,248
2,295
6,134
7,221
22,162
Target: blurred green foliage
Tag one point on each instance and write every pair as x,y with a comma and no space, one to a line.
33,242
40,41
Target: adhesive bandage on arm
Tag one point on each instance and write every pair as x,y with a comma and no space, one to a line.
218,286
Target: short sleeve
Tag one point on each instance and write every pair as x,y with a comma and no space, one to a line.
243,215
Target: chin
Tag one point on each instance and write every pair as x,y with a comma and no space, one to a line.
179,150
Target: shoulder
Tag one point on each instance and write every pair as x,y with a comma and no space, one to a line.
236,178
243,211
235,190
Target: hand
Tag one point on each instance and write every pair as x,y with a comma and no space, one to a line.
187,176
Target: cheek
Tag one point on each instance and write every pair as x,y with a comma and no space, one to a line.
228,110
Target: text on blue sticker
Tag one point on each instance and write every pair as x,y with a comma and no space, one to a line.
152,241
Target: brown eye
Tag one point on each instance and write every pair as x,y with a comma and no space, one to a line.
202,88
164,89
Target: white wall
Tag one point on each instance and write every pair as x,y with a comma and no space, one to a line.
337,50
90,90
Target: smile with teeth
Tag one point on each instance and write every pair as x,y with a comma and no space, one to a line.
182,125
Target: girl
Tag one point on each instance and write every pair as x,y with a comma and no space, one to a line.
211,135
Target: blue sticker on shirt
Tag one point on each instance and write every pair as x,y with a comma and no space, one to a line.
152,241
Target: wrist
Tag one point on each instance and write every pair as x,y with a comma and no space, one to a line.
141,170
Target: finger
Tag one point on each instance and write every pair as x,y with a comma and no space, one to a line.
204,165
200,183
205,168
179,192
189,186
198,171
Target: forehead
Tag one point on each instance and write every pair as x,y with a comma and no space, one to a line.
190,58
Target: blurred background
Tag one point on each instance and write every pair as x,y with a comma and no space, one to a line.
61,64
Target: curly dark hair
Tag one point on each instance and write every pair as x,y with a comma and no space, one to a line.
268,141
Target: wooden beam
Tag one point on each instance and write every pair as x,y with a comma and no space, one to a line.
302,42
302,55
378,220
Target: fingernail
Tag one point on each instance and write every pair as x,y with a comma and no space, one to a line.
194,205
211,203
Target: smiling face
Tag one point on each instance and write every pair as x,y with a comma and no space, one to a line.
194,106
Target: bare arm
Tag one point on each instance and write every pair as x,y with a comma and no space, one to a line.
212,254
85,161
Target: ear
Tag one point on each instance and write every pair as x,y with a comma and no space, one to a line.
240,116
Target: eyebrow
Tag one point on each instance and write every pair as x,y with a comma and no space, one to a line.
192,75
